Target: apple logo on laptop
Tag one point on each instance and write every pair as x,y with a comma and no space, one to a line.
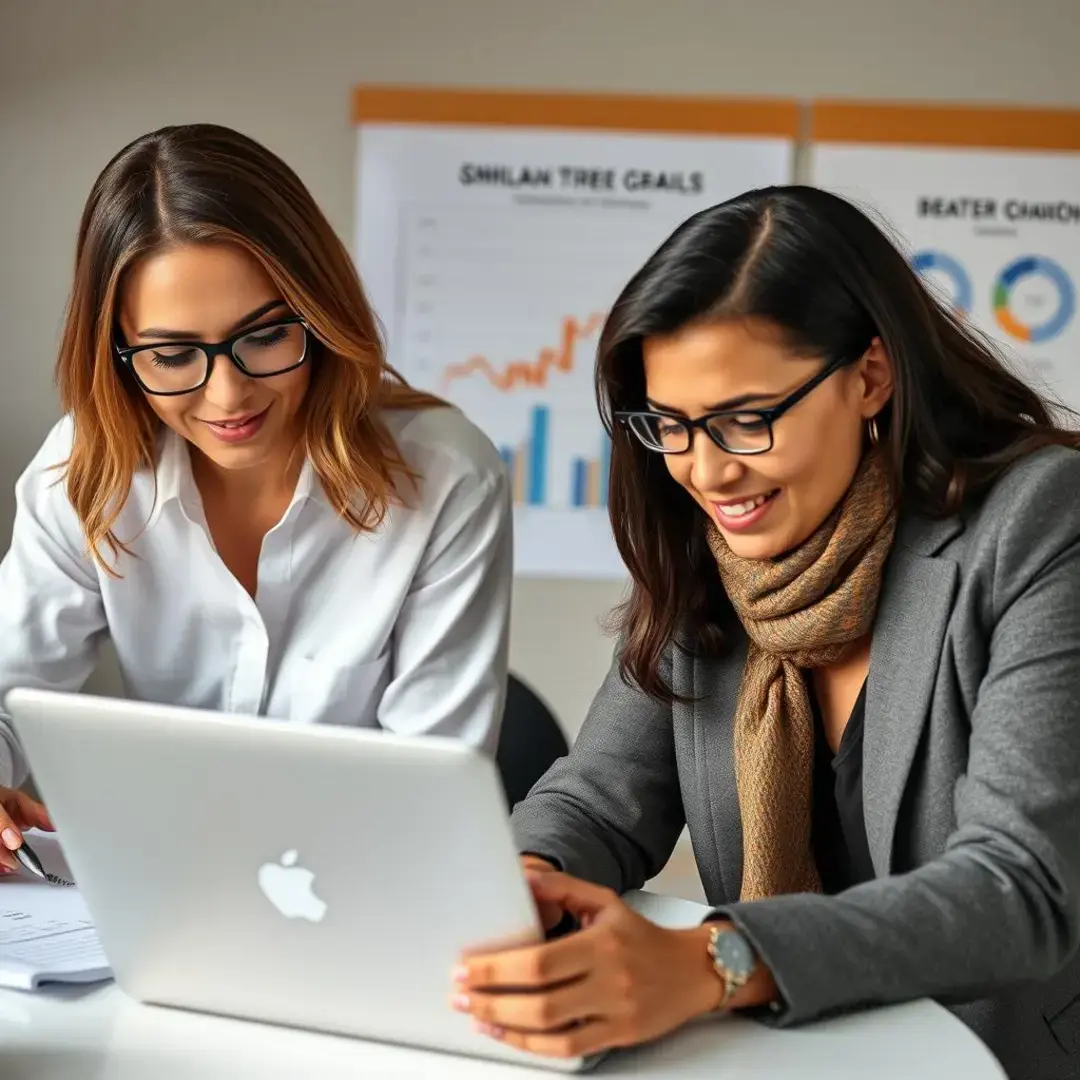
289,888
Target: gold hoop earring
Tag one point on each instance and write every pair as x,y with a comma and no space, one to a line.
872,430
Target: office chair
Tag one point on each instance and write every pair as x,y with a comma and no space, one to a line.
530,743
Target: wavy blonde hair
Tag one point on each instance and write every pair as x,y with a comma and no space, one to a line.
202,183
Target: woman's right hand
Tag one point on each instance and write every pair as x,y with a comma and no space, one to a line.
17,812
550,914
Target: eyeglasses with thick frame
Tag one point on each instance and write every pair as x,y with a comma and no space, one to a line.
762,418
212,350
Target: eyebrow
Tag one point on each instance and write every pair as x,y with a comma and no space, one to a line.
720,406
164,334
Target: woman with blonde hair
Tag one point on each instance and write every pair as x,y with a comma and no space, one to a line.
242,495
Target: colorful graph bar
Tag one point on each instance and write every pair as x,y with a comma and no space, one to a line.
579,481
527,462
538,462
589,478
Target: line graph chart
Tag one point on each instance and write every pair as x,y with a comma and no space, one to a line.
513,339
500,311
536,372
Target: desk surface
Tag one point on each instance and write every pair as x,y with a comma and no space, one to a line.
100,1034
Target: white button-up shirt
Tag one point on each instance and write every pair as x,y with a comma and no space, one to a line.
404,628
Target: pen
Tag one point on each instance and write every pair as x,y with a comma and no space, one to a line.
25,854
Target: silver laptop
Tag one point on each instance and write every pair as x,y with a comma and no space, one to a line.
322,877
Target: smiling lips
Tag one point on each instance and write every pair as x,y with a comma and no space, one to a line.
742,514
239,429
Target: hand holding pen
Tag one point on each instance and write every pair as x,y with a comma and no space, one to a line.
17,812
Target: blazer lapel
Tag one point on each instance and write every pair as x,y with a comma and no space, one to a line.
909,632
716,686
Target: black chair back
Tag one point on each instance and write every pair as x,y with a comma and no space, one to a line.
530,743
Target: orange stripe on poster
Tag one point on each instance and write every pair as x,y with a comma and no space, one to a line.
374,104
986,127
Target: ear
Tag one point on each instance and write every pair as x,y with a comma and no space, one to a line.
876,369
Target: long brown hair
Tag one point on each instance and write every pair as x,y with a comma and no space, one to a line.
824,273
202,183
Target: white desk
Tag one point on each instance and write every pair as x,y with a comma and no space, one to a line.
100,1034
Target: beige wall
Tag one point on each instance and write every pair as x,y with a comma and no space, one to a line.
78,78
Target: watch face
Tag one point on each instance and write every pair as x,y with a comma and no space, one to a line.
734,953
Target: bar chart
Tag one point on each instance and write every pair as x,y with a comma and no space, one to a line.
519,351
589,477
528,461
529,465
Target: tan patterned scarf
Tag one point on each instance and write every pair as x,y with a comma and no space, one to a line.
802,610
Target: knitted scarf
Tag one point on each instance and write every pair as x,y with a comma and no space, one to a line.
805,609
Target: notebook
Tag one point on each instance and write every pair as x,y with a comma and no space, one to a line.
46,935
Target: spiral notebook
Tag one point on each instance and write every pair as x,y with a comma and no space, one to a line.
46,934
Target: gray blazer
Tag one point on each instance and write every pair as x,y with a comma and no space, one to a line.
971,786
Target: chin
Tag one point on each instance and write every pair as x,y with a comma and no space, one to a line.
769,541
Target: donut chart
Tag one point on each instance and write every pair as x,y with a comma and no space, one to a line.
1026,267
925,262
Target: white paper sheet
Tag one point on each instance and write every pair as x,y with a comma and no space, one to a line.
46,934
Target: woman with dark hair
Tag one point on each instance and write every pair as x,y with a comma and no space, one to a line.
242,495
850,662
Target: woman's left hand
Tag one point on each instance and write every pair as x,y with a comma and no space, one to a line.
619,981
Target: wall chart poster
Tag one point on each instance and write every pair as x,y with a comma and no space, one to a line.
994,229
493,249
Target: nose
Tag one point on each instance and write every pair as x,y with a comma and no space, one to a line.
713,469
228,387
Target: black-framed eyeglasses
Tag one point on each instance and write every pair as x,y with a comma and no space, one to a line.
738,431
180,367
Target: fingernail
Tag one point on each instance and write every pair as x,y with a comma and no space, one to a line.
10,838
489,1029
461,1002
461,974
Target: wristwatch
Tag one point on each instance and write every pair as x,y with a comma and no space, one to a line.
733,960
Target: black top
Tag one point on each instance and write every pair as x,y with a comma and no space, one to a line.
838,832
